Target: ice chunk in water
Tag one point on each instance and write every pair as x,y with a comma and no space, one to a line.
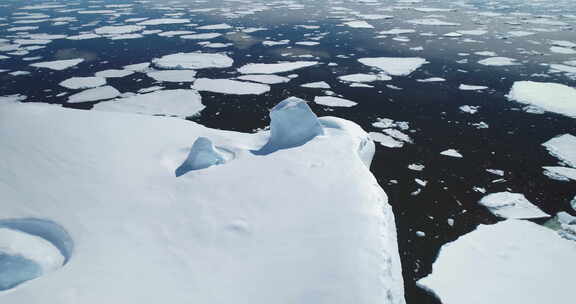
292,124
202,155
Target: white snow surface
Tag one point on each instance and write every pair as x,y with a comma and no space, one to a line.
177,102
58,65
193,61
564,148
395,66
273,68
229,86
511,206
552,97
532,265
225,234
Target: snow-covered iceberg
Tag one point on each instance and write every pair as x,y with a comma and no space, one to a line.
510,262
287,227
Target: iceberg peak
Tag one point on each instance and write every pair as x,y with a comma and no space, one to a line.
292,124
202,155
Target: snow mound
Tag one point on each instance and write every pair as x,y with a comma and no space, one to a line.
511,206
552,97
518,253
395,66
193,61
564,148
292,124
202,155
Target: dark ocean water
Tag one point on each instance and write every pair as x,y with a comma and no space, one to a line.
512,142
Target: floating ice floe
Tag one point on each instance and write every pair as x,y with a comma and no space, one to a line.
431,79
432,21
552,97
467,87
116,30
451,153
498,61
76,83
203,36
162,21
395,66
519,252
138,67
112,73
316,85
180,102
564,148
469,109
58,65
228,86
397,31
173,75
359,24
332,101
273,68
213,27
94,94
385,140
267,79
562,50
193,61
361,78
560,173
511,206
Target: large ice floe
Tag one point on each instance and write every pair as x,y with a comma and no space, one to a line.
228,86
281,226
552,97
395,66
564,148
511,206
273,68
177,102
193,61
58,65
513,261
